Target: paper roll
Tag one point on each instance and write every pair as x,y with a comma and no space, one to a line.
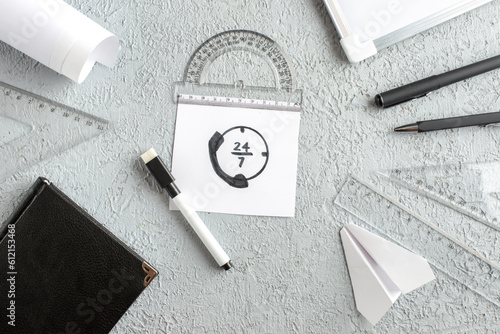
57,35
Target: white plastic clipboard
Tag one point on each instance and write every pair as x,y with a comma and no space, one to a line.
368,26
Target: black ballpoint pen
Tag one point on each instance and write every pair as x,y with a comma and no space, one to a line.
451,123
423,87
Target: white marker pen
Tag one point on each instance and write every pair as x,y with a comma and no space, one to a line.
166,181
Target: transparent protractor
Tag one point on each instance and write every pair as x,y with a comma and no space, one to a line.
202,62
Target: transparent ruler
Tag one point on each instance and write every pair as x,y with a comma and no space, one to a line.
472,189
443,251
238,102
33,128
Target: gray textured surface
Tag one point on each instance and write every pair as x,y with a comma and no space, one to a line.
290,274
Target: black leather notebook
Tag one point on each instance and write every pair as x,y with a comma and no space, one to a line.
63,272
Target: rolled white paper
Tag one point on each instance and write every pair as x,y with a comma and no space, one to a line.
57,35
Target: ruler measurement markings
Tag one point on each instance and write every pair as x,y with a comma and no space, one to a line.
238,102
54,128
243,40
457,202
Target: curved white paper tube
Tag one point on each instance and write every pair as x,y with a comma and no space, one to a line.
57,35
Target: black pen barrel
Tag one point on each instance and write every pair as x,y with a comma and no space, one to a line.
469,71
459,122
408,92
422,87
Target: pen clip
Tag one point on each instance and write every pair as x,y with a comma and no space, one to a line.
492,125
419,96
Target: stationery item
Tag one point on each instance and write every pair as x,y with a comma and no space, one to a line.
444,252
366,26
451,123
472,189
240,157
423,87
63,272
57,35
236,145
34,128
468,228
198,68
166,181
380,271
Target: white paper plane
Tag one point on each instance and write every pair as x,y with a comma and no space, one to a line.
380,271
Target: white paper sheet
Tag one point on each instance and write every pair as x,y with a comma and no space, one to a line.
57,35
270,193
380,271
